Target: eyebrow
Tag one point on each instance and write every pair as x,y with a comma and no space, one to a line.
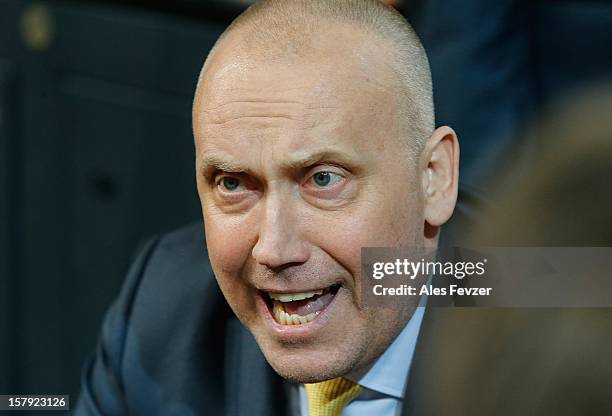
212,161
301,160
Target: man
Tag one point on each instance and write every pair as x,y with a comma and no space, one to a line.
314,131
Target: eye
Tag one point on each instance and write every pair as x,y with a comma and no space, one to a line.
325,179
230,184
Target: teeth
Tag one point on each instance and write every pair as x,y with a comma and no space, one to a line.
290,297
284,318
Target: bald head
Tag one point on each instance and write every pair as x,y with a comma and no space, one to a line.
313,127
297,31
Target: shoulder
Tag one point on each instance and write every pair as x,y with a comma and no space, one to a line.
176,280
177,323
162,345
185,237
183,245
167,267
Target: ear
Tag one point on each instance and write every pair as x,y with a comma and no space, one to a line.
440,175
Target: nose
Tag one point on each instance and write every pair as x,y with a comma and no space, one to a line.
279,242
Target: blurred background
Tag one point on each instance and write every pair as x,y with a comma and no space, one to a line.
96,149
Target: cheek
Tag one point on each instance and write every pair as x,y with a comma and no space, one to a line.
342,235
374,224
228,243
229,250
227,239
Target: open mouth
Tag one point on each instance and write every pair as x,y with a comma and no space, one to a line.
299,308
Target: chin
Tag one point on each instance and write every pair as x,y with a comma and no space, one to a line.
299,366
308,374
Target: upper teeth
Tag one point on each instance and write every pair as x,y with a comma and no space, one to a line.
290,297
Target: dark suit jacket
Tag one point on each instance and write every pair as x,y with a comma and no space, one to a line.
170,345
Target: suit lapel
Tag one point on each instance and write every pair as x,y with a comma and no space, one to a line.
252,387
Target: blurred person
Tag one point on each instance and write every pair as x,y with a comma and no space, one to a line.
497,65
540,360
314,133
558,193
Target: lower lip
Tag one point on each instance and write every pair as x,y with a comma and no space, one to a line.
293,332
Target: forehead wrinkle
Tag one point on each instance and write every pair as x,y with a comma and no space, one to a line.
305,116
245,108
207,109
244,83
262,120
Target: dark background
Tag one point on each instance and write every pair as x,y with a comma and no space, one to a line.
96,151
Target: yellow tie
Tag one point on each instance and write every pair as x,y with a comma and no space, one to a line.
330,397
